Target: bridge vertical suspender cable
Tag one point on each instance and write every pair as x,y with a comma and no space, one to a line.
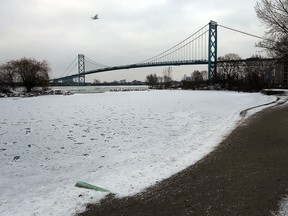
70,67
185,50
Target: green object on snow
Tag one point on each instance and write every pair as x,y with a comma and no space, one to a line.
89,186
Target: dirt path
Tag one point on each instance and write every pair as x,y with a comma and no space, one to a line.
246,175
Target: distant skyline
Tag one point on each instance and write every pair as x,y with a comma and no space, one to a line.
127,31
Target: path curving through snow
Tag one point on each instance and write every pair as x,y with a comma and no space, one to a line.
121,141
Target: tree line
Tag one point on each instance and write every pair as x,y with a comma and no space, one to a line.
160,82
251,75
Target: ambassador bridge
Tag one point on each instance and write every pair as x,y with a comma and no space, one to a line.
198,49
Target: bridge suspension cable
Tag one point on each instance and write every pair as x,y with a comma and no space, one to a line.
242,32
95,63
65,73
193,47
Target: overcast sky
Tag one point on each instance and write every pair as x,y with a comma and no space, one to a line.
127,31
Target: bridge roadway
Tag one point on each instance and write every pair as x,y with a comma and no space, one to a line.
166,63
139,65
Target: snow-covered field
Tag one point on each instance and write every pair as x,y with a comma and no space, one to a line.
121,141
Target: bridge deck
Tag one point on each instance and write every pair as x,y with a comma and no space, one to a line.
167,63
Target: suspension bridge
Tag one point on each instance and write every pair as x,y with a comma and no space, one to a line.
198,49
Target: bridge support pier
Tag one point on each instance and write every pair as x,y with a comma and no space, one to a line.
212,50
81,69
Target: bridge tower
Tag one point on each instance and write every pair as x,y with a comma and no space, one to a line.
212,50
81,69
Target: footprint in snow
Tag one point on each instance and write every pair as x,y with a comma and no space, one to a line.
16,158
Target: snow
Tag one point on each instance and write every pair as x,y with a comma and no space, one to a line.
120,141
283,210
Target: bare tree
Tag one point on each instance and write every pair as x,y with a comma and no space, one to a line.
229,71
96,81
204,74
167,76
152,80
274,15
31,73
7,76
197,76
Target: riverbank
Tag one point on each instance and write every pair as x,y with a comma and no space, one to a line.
123,142
245,175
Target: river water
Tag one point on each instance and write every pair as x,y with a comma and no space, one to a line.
98,89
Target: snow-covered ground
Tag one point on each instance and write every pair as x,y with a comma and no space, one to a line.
121,141
283,207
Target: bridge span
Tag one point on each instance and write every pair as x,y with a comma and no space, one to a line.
198,49
131,66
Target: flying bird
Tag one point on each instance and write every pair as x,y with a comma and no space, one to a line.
95,17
